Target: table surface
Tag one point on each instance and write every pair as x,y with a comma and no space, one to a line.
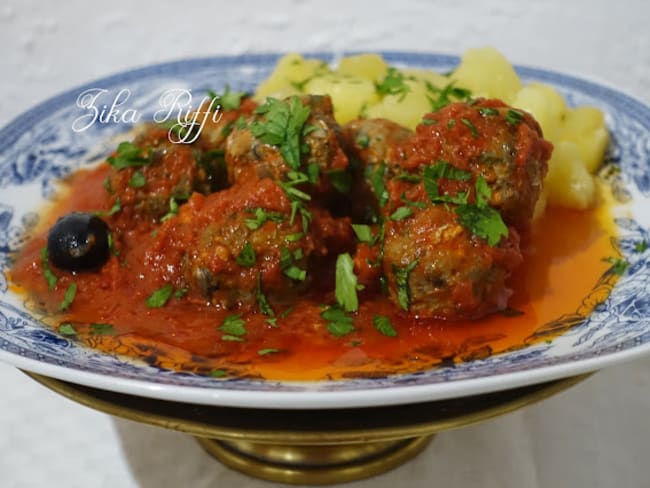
595,435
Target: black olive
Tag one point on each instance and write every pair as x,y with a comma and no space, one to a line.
78,242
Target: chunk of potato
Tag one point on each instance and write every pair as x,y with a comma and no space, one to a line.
426,76
350,94
486,72
406,109
369,66
545,104
586,127
291,71
568,183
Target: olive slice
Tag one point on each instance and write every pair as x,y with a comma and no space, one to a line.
79,242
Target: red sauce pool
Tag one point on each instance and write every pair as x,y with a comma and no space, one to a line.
562,266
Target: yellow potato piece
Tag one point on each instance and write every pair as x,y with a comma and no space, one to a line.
350,95
291,71
545,104
485,71
369,66
568,183
405,109
586,127
423,75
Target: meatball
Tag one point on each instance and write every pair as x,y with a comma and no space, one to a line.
215,132
436,268
375,149
487,138
230,245
321,153
151,171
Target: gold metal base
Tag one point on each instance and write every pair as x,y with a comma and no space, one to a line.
311,446
314,465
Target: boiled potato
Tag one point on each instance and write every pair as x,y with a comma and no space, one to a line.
586,127
568,183
369,66
425,76
291,71
487,73
350,95
545,104
406,109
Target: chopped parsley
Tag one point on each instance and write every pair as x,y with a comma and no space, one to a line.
281,125
102,329
376,179
218,373
383,326
231,338
263,302
641,246
341,180
160,297
619,265
480,219
467,123
346,284
488,112
49,276
402,283
262,216
173,209
444,170
394,83
233,326
514,117
338,322
401,213
267,351
67,329
441,97
181,292
117,206
137,180
362,140
364,234
247,256
128,155
228,100
289,267
68,297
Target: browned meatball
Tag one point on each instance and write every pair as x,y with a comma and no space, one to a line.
320,151
436,268
375,149
240,241
503,145
215,132
148,173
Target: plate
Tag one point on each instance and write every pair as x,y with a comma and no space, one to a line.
40,147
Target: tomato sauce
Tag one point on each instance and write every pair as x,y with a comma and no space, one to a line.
563,264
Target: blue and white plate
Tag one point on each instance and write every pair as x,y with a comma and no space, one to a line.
40,147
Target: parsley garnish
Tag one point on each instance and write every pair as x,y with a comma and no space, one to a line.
402,283
341,180
268,350
173,209
488,112
383,326
128,155
514,117
181,292
281,126
288,266
346,284
160,297
467,123
67,329
339,323
117,206
362,140
137,180
49,276
262,301
231,338
68,297
446,95
246,257
218,373
262,216
619,265
641,246
393,84
445,170
401,213
376,179
102,329
227,100
233,325
364,233
480,219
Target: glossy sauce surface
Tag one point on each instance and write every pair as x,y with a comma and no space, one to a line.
563,264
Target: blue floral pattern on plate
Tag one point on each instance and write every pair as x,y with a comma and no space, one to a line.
39,148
